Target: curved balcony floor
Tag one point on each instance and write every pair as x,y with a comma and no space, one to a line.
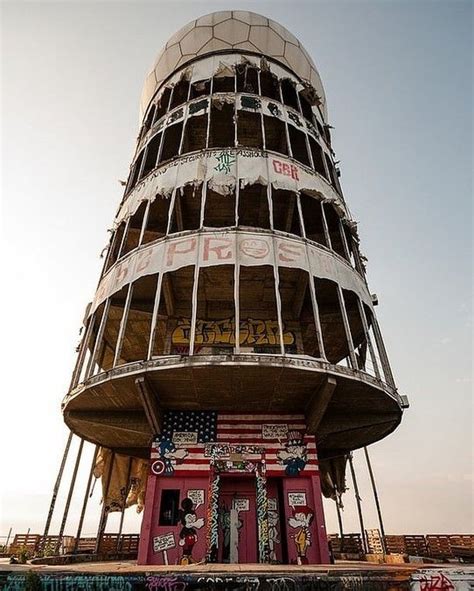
107,408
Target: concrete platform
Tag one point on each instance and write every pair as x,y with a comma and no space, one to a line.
127,576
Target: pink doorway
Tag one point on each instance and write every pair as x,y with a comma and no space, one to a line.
237,521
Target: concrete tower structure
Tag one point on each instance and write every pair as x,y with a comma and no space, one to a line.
232,340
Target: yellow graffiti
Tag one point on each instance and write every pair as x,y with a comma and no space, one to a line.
222,332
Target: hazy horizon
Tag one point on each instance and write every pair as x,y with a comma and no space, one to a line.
398,80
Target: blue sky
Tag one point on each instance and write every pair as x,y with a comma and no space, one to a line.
398,79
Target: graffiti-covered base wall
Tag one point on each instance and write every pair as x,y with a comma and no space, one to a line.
233,488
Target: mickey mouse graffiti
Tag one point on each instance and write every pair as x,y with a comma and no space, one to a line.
188,534
294,456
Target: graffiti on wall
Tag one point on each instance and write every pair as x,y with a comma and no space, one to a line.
300,521
188,536
294,455
213,518
222,332
167,455
273,529
262,516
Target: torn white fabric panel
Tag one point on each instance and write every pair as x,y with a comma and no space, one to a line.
220,168
210,248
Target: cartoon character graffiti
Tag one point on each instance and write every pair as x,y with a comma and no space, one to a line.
301,520
188,534
295,455
169,455
273,538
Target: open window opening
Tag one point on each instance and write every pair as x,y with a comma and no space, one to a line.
249,130
157,221
351,302
148,120
317,154
320,129
151,158
169,507
135,172
195,134
327,135
171,142
186,213
275,135
138,324
332,173
134,230
306,108
313,219
200,88
222,124
351,245
298,145
288,91
332,324
115,245
105,358
332,220
219,210
299,327
95,322
373,364
269,85
253,207
162,104
259,329
180,93
215,319
173,325
285,212
223,84
247,78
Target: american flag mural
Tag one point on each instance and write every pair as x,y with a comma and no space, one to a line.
192,440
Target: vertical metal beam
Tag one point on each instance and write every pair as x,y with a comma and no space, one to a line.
123,324
290,151
103,513
347,328
154,317
69,496
85,501
8,538
82,352
127,486
367,336
55,491
98,340
194,301
345,246
339,521
358,502
377,502
382,352
325,227
145,221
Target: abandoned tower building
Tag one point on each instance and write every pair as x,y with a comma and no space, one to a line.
231,349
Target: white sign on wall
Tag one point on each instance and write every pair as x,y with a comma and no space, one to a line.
164,542
274,431
241,504
185,437
296,499
197,497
